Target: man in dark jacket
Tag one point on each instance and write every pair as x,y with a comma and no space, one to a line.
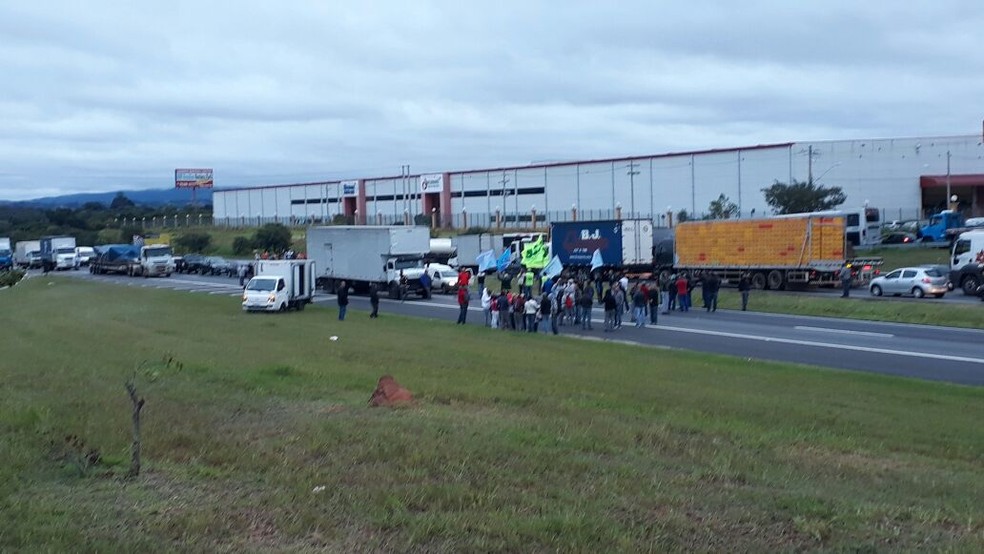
712,284
611,307
342,299
653,294
374,301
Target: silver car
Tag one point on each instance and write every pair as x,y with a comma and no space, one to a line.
917,281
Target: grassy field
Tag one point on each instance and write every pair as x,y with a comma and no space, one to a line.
256,437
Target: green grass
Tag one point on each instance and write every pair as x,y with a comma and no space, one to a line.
517,442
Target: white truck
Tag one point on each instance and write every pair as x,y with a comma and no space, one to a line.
58,253
280,285
967,261
27,253
156,260
364,256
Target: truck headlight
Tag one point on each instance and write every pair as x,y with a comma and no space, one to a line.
271,299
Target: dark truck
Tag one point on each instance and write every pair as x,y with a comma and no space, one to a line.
122,259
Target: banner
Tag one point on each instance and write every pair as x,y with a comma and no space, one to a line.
552,269
596,260
503,262
535,254
486,260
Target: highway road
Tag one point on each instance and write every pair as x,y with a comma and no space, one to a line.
919,351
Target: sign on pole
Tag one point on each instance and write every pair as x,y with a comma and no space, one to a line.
193,178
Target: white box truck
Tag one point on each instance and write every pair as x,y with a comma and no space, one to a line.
27,253
280,285
58,253
364,256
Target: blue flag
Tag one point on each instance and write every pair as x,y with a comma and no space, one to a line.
503,262
596,260
486,260
552,269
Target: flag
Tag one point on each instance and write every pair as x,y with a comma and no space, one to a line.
503,262
486,260
552,269
535,254
596,260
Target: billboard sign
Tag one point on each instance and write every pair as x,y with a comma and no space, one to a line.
431,183
193,178
350,188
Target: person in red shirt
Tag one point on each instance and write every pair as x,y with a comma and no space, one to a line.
683,294
464,297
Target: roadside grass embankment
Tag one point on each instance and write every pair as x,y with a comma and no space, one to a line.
257,437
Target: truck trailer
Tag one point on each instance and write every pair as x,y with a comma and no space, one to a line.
280,285
624,244
365,256
799,250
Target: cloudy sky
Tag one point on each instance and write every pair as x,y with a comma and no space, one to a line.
100,95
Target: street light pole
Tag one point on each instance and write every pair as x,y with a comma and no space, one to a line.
948,179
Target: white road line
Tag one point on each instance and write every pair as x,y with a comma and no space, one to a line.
828,345
843,331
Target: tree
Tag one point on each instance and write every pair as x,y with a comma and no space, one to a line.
722,208
682,216
801,197
272,237
120,202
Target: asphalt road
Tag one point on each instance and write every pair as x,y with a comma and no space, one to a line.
919,351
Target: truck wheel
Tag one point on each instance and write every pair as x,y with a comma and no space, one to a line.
969,285
775,280
283,307
300,305
758,281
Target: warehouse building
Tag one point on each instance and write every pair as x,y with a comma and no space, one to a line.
905,178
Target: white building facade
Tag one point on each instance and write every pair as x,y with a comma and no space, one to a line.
905,178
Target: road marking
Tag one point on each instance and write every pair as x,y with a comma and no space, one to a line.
829,345
843,331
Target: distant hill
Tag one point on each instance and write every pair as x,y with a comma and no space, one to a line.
153,197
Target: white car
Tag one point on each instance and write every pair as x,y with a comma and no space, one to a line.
443,277
917,281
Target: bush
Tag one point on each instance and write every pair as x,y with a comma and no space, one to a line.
272,237
242,245
10,277
193,241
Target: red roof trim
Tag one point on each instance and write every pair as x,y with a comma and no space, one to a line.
969,180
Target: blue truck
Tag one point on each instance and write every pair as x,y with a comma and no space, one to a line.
6,254
942,227
624,244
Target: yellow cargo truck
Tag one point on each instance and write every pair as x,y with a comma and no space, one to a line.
800,249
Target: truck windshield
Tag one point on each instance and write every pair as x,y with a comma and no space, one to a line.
158,251
262,285
65,251
407,264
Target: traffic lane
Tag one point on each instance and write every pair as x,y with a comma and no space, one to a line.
968,341
923,365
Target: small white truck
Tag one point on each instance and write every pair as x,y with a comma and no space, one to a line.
364,256
27,253
280,285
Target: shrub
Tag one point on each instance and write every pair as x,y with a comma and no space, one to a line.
272,237
10,277
193,241
242,245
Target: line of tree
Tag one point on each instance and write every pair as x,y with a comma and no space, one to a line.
783,198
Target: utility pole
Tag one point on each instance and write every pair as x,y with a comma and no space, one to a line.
632,173
947,203
505,194
809,165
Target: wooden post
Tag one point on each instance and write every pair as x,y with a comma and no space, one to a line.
138,404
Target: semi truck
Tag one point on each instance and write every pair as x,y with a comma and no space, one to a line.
154,260
6,254
624,244
808,249
27,253
58,253
365,256
966,261
280,285
115,258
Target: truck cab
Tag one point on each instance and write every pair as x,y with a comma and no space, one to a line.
412,268
156,260
939,224
966,261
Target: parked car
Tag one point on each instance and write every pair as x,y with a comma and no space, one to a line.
217,265
190,263
899,238
917,281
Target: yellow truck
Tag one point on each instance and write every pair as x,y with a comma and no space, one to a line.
799,249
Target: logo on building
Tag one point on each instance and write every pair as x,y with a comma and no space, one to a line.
431,183
350,188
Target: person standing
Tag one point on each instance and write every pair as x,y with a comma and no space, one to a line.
620,303
404,286
654,295
586,302
487,306
681,291
671,293
503,302
494,310
342,299
528,278
744,288
241,270
639,306
374,301
545,309
713,284
845,278
529,310
610,309
464,297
